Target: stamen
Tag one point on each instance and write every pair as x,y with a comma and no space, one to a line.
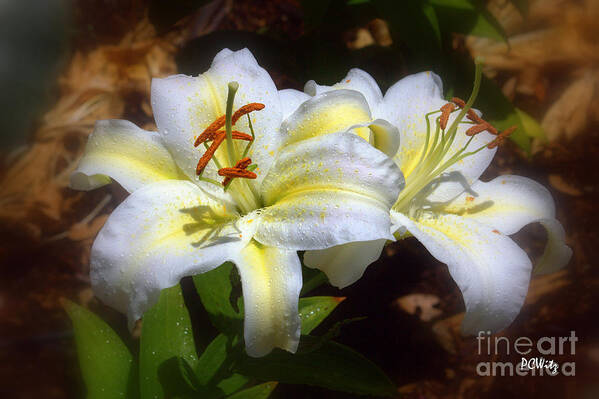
237,135
476,129
501,137
210,131
473,116
237,172
446,110
459,102
209,153
241,164
246,109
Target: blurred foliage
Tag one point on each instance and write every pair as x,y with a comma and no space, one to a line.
423,36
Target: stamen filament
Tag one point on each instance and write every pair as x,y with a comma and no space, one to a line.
431,162
216,162
247,147
208,154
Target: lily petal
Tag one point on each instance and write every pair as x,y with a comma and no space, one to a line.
489,268
159,234
326,191
120,150
383,135
358,80
509,203
291,100
406,104
271,280
184,106
345,264
329,112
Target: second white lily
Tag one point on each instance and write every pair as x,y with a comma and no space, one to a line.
461,220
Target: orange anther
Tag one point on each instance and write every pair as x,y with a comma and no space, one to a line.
212,133
246,109
473,116
209,132
446,110
209,153
241,164
501,137
237,135
459,102
476,129
237,172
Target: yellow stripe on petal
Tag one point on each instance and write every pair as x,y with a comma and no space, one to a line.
329,112
272,280
489,268
120,150
159,234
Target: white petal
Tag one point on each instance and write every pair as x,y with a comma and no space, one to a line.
345,264
406,103
356,79
557,254
491,270
184,106
383,135
508,203
291,100
329,112
120,150
160,233
271,280
327,191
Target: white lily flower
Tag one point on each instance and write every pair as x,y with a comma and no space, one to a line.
461,220
309,182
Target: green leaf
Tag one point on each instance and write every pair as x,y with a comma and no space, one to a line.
232,384
314,310
166,335
261,391
213,358
312,278
213,370
106,363
530,126
220,298
188,374
331,366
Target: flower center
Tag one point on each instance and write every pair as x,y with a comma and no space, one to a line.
244,192
437,153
